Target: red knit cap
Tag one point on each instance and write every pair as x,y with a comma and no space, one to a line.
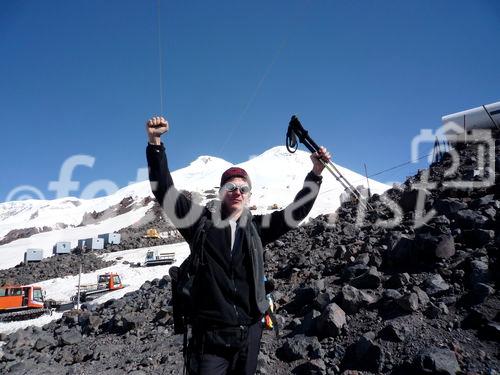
235,172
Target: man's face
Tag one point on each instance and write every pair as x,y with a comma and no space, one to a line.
234,201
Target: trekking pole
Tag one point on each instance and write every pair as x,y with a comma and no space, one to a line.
296,130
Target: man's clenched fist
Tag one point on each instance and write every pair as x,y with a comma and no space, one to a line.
155,127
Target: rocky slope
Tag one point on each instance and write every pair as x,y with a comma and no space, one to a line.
52,267
133,236
353,296
68,264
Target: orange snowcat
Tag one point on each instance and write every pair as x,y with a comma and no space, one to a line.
107,282
19,302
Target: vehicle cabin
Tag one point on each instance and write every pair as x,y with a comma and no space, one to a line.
111,238
109,281
33,256
159,257
17,297
94,243
62,248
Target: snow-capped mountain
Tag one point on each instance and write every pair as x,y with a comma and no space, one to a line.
276,176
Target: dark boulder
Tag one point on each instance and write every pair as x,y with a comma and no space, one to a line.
332,321
408,303
312,367
394,333
469,219
478,272
477,238
300,347
368,280
310,322
45,341
403,254
434,247
397,281
436,361
435,285
365,355
491,330
70,337
449,206
352,299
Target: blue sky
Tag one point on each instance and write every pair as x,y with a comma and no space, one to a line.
81,77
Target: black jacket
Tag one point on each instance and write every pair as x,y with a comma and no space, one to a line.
229,287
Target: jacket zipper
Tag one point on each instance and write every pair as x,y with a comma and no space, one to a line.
235,294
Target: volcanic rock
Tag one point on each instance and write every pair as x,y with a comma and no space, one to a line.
423,298
397,281
477,238
392,333
299,347
352,299
332,320
52,267
368,280
480,291
365,354
44,341
471,219
71,337
435,285
409,302
312,367
479,272
310,322
491,330
474,320
437,361
449,206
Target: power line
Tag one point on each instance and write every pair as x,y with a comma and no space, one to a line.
399,165
385,170
256,91
160,55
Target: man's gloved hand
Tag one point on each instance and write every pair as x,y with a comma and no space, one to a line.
155,127
316,158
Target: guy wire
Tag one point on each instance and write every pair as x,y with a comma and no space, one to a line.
160,55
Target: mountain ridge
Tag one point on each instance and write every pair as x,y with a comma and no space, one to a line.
276,176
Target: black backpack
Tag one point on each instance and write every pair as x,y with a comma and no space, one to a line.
183,278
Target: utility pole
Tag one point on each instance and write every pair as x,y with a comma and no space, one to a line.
367,182
78,293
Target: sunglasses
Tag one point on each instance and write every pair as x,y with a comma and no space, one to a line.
230,186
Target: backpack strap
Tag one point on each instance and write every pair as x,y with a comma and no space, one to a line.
185,353
197,233
197,247
198,244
